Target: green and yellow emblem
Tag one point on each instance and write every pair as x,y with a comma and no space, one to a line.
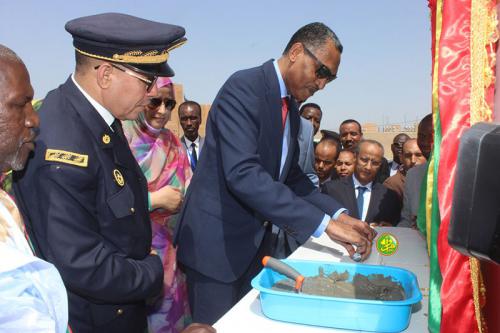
118,177
387,244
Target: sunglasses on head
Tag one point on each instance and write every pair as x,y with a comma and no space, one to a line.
156,102
322,72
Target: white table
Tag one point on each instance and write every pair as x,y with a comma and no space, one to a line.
246,315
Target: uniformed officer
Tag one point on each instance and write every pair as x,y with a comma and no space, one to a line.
82,194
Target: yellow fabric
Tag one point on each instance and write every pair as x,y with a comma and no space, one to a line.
484,34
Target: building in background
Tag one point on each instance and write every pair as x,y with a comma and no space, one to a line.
174,124
382,133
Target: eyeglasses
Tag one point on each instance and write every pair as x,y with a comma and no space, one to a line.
150,81
156,102
365,160
322,72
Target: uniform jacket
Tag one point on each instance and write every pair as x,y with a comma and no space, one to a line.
84,201
237,184
384,203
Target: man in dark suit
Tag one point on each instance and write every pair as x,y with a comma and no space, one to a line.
351,135
313,113
325,158
306,150
248,179
83,196
310,120
360,194
190,120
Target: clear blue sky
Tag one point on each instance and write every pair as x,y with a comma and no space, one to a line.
384,74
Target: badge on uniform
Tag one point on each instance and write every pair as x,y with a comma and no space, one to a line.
106,139
67,157
118,177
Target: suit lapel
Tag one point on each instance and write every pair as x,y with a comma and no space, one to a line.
202,142
272,116
350,195
374,202
294,121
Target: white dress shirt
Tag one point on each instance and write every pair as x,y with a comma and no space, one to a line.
190,148
393,168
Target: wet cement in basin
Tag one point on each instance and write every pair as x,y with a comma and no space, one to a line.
370,287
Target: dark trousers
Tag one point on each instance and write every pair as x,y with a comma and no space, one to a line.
210,299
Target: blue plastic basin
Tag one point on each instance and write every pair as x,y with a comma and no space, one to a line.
345,313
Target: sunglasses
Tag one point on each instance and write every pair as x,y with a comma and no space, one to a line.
150,81
156,102
322,72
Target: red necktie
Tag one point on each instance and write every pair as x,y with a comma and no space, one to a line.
284,110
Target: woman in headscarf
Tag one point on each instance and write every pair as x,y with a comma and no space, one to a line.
166,167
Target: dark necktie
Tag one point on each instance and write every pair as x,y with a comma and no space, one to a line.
360,200
118,129
122,148
194,156
284,110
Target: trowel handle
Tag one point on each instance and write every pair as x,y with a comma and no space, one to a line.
285,269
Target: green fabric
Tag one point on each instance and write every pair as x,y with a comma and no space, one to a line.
422,216
435,271
435,280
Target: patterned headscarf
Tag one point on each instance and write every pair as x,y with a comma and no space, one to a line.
158,151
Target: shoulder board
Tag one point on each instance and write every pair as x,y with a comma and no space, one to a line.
67,157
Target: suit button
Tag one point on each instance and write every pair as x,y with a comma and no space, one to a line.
132,210
119,312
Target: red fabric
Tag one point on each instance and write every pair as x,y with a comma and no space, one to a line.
458,314
284,110
492,276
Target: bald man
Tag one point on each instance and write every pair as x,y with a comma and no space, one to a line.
32,293
397,149
326,154
360,194
415,176
411,156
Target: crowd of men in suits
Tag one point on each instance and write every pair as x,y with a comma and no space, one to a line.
354,171
85,203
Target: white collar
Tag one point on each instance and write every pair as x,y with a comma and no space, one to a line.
189,142
357,183
283,91
105,114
